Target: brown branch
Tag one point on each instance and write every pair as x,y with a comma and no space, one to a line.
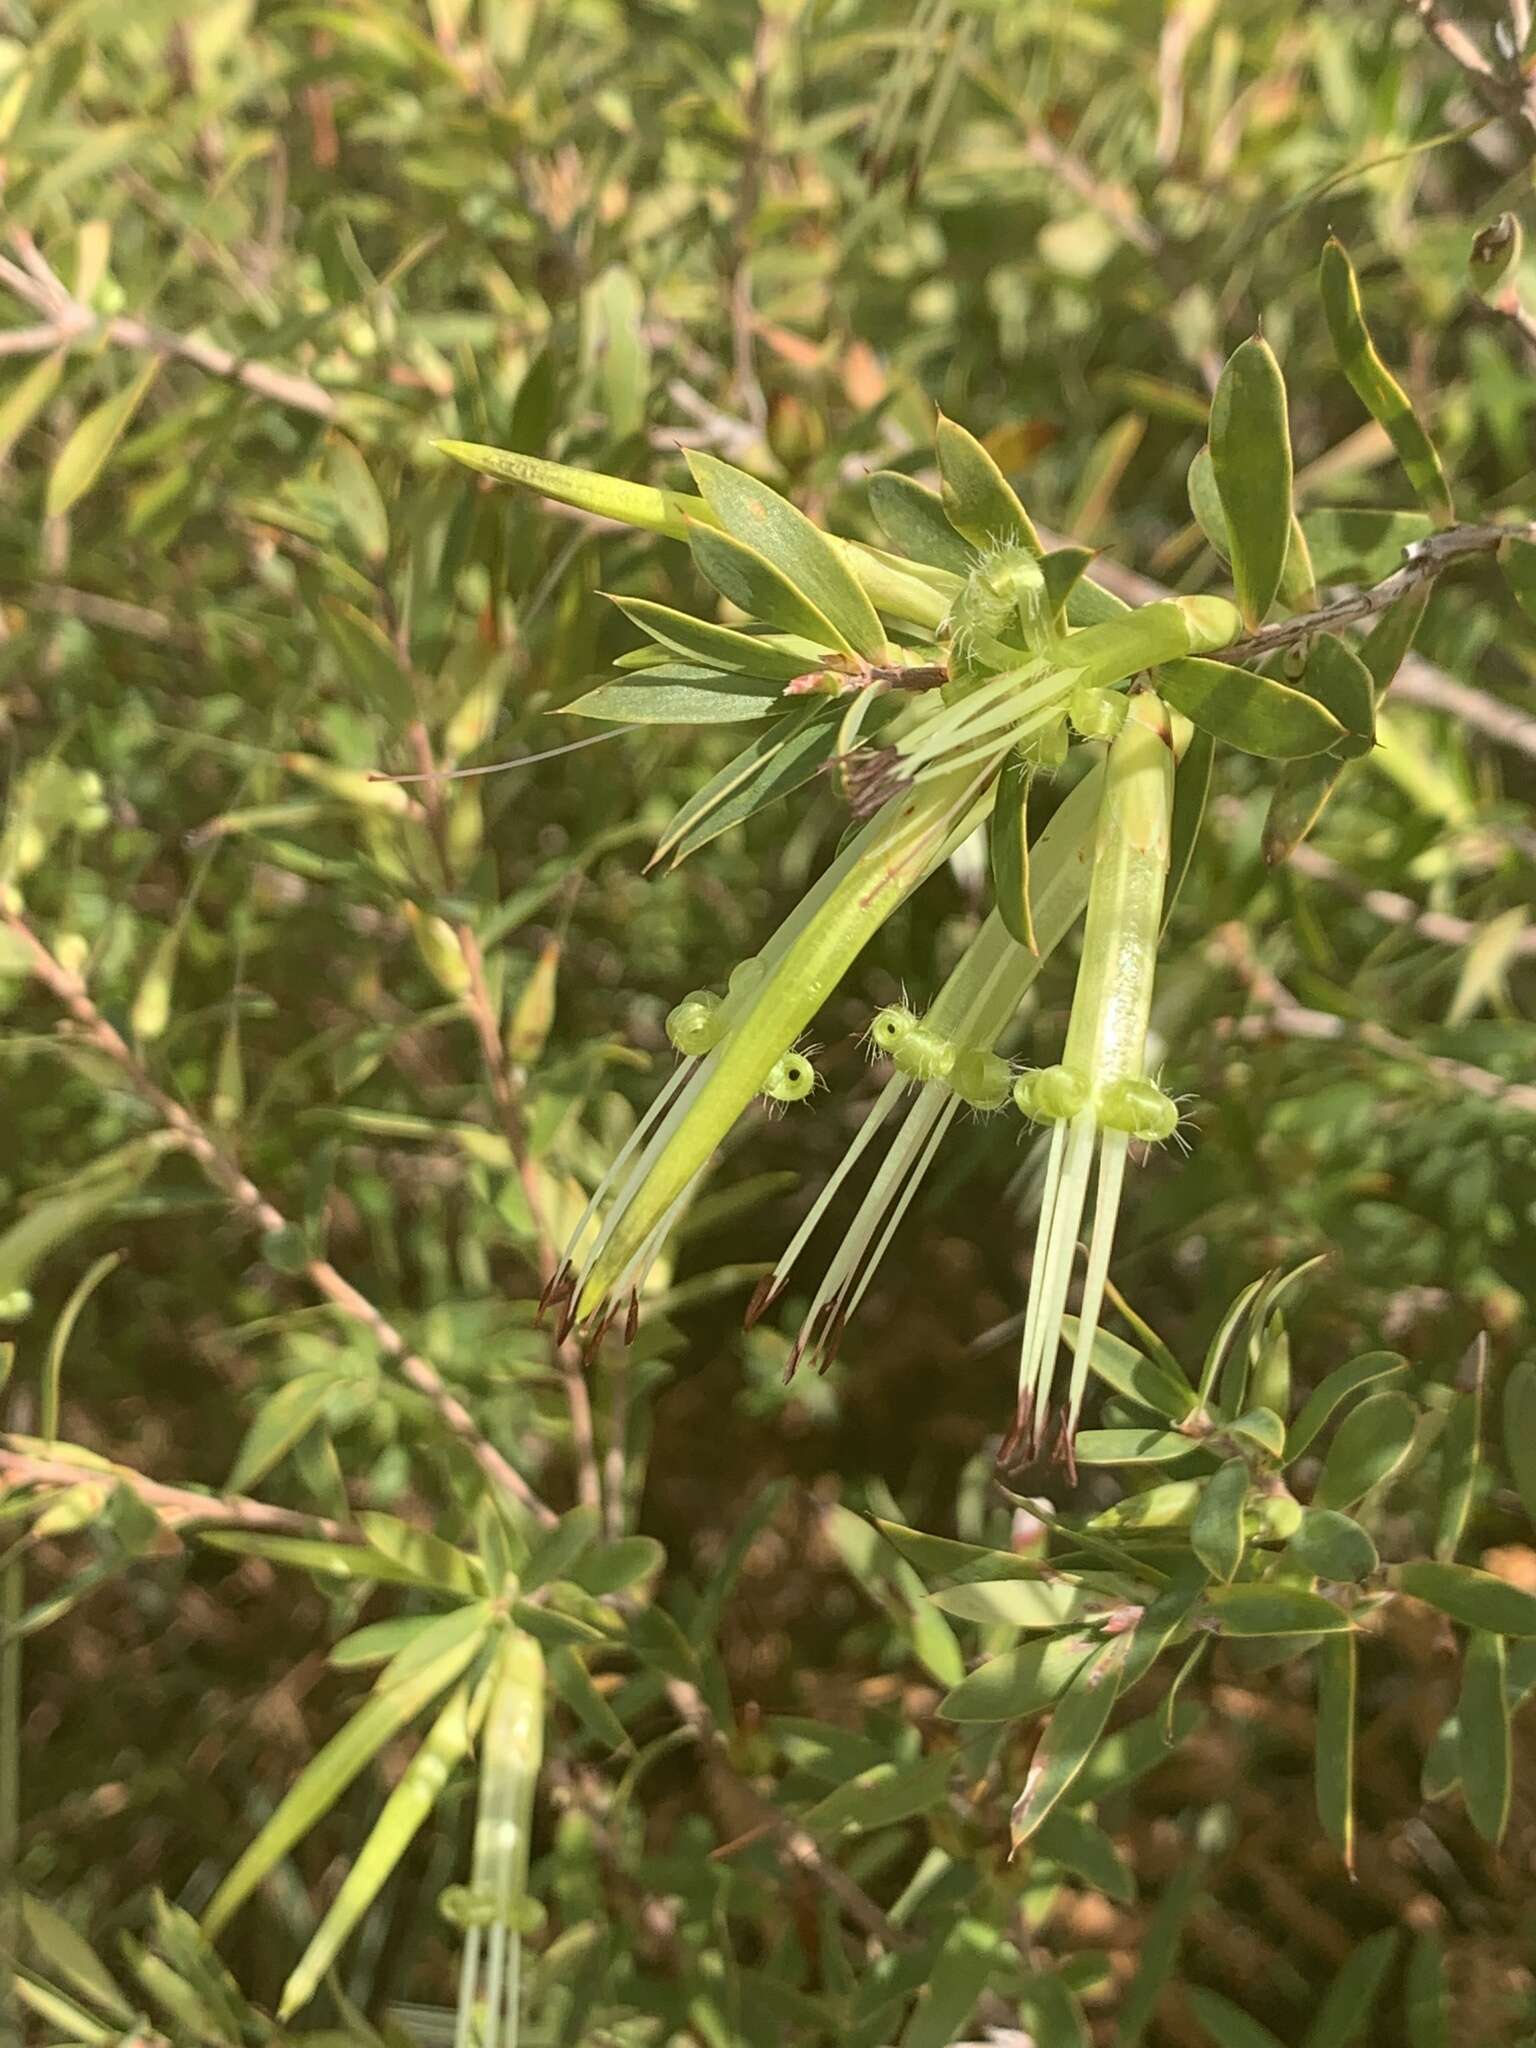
248,1202
1423,561
67,323
795,1845
23,1463
1280,1015
1440,927
1501,92
1418,681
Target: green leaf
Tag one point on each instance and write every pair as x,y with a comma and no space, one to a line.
914,522
1081,1846
1350,1996
1332,1546
417,1791
1249,711
1191,789
1250,441
1335,1760
89,448
1062,572
1461,1456
882,1796
615,1567
58,1339
1132,1447
801,554
557,1549
54,1220
1054,2016
605,497
70,1957
957,1977
573,1683
433,1561
717,647
1022,1603
1360,547
1476,1599
22,404
942,1556
1375,386
1159,1953
1021,1681
1139,1378
979,502
1336,1388
1340,681
1368,1446
1227,2024
367,657
1070,1734
1205,502
1008,841
1483,1714
757,587
1272,1608
278,1424
1520,1431
1263,1429
358,499
379,1641
1426,1998
317,1788
1383,649
775,764
1297,801
676,693
1517,558
1216,1534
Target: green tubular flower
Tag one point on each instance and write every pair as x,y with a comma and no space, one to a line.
763,1016
1099,1097
969,1015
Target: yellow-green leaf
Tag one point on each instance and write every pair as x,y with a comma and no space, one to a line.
1073,1729
978,499
605,497
1369,1445
1248,710
1216,1533
1483,1712
1335,1758
1250,442
1375,386
1476,1599
89,448
1009,849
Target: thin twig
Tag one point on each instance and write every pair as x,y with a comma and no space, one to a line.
1438,926
1502,92
180,1507
247,1200
68,323
1278,1014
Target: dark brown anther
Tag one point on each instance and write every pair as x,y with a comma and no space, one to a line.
557,1288
1065,1451
632,1317
567,1321
794,1360
762,1299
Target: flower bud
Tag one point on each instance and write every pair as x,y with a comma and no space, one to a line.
1496,250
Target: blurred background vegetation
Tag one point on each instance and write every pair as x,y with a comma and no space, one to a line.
299,244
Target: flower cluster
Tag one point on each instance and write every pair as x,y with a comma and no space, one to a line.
1005,656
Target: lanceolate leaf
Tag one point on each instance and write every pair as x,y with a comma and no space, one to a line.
1360,547
1271,1608
1375,386
774,764
799,551
1350,1997
1009,844
1205,503
1520,1431
1216,1534
979,500
882,1795
1340,681
1019,1682
317,1788
1132,1373
752,582
1191,788
89,448
1338,1386
914,521
606,497
676,693
1483,1712
1336,1666
712,646
1371,1442
1248,710
1477,1599
1022,1603
1461,1456
1250,443
1227,2024
1132,1447
1300,796
1073,1729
